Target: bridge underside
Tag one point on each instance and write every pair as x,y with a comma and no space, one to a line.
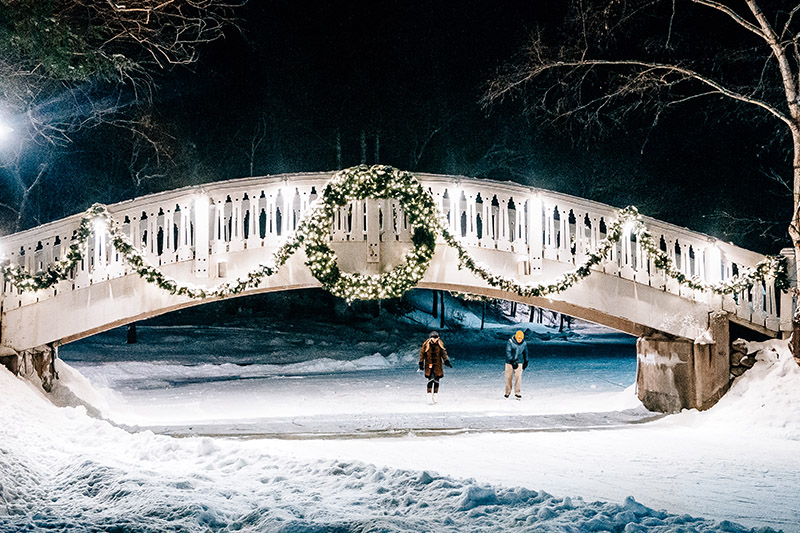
601,298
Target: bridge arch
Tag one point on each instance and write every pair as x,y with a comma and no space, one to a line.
219,231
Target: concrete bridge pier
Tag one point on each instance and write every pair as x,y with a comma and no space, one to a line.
35,364
674,373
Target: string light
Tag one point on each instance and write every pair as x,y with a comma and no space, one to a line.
313,233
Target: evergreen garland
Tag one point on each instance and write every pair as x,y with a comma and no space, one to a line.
382,182
771,266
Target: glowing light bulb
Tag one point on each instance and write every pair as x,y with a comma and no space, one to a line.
5,131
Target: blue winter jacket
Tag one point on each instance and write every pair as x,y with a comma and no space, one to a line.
516,353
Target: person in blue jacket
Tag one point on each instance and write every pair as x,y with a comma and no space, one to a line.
516,362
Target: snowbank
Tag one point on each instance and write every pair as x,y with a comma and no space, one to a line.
764,400
62,469
117,374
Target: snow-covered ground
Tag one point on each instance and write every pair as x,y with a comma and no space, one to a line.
338,436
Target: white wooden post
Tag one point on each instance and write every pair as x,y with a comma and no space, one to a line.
201,225
535,234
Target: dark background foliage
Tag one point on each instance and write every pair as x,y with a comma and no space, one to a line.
307,87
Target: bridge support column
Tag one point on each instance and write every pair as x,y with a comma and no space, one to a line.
36,363
677,373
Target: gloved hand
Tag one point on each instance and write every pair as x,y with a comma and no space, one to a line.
421,365
524,365
514,365
447,364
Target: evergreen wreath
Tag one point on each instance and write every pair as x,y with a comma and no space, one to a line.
359,183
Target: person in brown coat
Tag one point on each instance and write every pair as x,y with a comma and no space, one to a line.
432,356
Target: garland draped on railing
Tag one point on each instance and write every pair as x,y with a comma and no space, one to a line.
771,266
313,232
98,216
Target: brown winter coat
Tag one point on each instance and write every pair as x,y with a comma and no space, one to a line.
433,355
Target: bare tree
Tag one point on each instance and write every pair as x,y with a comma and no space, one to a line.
22,189
66,65
64,61
590,74
256,140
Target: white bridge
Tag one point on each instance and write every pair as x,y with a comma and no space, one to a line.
216,232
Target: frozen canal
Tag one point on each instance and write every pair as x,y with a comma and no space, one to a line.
180,388
339,436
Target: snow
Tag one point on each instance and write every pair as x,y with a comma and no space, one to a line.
340,437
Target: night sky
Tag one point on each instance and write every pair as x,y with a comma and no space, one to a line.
409,77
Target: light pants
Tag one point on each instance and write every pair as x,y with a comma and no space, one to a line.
516,375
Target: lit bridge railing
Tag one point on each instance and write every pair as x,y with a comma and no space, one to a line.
197,224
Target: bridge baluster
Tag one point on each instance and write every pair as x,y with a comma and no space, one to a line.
535,233
172,233
548,211
564,244
471,237
642,263
234,224
295,209
503,241
184,251
481,219
772,318
251,219
202,208
685,268
626,255
452,211
759,314
98,269
514,210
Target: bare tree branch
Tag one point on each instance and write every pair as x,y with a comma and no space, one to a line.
502,87
735,16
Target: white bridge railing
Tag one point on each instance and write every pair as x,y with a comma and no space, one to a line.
201,224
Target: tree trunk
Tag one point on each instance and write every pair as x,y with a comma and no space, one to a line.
338,150
363,148
132,334
441,314
435,310
794,233
532,311
483,313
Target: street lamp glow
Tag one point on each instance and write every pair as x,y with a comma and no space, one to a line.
5,131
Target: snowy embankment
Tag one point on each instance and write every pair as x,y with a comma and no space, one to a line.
64,469
765,401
